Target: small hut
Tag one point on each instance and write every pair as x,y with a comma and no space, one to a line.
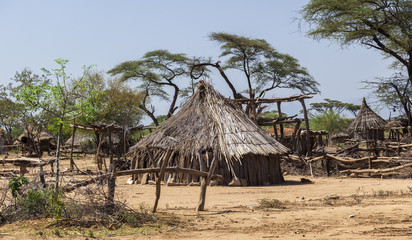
398,128
43,141
337,138
367,124
207,128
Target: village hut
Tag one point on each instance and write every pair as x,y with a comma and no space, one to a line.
83,141
208,128
398,128
338,137
43,141
367,124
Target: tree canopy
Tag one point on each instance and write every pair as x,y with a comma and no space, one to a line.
264,68
334,105
384,25
155,70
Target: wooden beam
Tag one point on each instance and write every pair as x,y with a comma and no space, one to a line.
273,100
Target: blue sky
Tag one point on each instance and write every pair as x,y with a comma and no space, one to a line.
106,33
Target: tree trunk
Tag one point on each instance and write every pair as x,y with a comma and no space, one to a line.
71,149
56,189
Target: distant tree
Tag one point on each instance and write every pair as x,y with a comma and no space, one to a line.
9,114
395,92
155,70
384,25
119,105
30,119
335,105
264,68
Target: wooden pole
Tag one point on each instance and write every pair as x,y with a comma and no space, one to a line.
72,146
159,178
204,182
281,124
124,144
275,131
305,114
295,132
112,168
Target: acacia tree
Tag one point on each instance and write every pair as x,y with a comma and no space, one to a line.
264,68
155,70
383,25
334,105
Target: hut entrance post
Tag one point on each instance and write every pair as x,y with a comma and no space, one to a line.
205,181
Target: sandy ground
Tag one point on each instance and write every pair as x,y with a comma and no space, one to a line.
367,208
380,209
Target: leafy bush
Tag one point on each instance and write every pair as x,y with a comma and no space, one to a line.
329,121
42,203
16,183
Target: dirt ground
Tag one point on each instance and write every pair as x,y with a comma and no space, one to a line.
365,208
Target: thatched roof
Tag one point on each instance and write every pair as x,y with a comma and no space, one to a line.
339,135
79,138
210,123
43,136
366,119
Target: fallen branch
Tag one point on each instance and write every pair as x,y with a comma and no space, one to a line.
400,146
350,160
385,170
316,159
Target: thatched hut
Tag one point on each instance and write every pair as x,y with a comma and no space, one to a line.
209,127
367,124
43,141
338,137
398,128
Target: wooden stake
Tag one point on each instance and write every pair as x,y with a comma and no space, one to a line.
71,149
281,124
305,114
204,182
159,178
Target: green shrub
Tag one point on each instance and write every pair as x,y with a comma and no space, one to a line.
36,203
329,121
16,183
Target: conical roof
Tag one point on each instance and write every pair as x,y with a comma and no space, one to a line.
366,119
209,122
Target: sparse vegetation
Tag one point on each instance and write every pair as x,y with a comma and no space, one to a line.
271,203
